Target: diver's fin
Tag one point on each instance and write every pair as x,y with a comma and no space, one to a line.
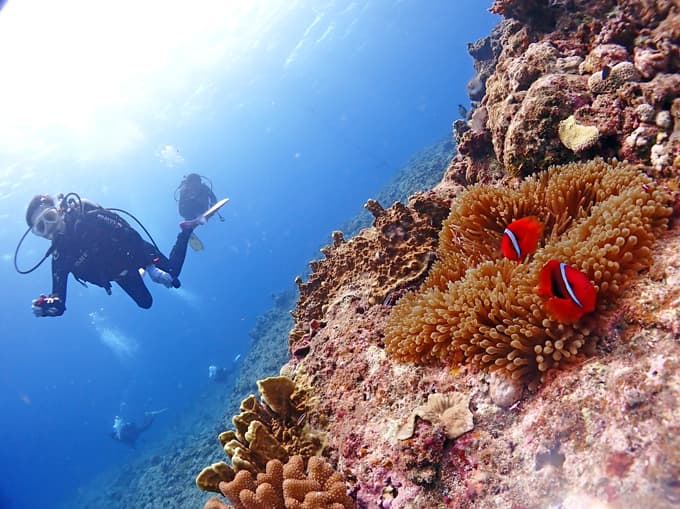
195,243
203,218
213,210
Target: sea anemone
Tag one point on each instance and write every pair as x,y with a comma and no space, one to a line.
479,308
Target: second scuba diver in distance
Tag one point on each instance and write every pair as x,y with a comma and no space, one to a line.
127,432
98,246
193,197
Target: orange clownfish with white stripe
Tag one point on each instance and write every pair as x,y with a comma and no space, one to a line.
569,291
520,238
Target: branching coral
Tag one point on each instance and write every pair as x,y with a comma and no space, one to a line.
271,429
481,309
287,486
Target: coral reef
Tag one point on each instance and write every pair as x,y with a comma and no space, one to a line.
485,53
287,486
529,454
407,234
611,79
595,61
269,429
529,447
483,309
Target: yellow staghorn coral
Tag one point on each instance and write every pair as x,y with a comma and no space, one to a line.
288,486
479,308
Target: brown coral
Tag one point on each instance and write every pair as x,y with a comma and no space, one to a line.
530,142
271,429
450,410
603,82
288,486
482,309
210,477
396,252
215,503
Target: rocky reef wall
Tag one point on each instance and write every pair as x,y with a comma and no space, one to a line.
561,82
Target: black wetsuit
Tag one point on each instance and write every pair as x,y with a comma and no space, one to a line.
129,431
99,247
194,199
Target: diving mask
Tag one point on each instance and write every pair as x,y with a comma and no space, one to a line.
46,222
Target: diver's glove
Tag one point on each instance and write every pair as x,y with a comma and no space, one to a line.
159,276
48,306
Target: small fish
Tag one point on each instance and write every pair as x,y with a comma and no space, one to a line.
520,238
570,293
605,72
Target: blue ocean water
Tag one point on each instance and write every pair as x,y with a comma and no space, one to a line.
297,110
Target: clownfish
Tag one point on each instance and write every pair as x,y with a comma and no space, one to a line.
570,293
520,238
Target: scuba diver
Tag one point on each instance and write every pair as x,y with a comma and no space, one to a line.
98,246
221,374
193,197
128,432
218,374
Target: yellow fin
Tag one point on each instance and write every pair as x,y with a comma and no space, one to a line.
195,243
